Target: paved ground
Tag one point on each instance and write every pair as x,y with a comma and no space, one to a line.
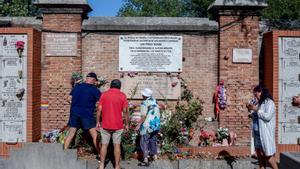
184,164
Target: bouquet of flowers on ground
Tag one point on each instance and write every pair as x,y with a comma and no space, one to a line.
222,133
206,138
183,136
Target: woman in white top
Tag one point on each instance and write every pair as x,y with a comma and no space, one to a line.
266,113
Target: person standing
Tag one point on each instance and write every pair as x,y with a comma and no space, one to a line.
111,105
149,126
265,112
84,98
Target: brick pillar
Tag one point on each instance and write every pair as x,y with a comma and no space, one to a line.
59,18
238,29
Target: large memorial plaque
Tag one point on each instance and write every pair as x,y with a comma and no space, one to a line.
150,53
163,87
61,44
13,87
289,86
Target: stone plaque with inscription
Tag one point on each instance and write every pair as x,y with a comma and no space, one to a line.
242,55
150,53
13,87
289,86
163,87
61,44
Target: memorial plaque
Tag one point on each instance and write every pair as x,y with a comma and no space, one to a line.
61,44
150,53
14,131
289,113
242,55
8,45
163,87
289,133
13,86
289,86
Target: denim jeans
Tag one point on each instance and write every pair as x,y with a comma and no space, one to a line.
148,144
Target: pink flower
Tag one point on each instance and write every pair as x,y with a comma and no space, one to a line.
20,44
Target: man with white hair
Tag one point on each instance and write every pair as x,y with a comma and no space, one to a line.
149,126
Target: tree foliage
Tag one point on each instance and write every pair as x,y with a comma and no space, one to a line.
277,9
17,8
165,8
282,10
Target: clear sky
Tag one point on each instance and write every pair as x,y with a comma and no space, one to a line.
105,7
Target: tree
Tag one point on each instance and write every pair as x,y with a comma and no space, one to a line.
17,8
282,10
165,8
277,9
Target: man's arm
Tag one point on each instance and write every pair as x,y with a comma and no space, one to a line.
126,114
98,115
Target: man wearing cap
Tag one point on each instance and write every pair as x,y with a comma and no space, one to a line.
149,126
84,98
112,106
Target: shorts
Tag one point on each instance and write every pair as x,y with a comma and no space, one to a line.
77,121
106,135
257,141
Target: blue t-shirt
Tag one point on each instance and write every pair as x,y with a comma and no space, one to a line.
84,98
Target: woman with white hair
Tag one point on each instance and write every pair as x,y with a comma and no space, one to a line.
149,126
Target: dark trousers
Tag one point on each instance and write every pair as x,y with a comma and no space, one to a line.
148,144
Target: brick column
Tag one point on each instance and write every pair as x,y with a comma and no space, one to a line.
57,70
238,28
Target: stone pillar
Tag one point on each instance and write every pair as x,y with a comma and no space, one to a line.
61,55
238,33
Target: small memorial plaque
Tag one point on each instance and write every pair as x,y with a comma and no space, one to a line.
14,131
61,44
150,53
242,55
163,87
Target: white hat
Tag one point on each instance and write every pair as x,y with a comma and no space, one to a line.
147,92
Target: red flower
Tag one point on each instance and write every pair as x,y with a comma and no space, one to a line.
20,44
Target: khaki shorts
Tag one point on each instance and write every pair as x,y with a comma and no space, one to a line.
106,135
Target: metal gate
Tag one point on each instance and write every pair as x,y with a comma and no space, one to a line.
289,86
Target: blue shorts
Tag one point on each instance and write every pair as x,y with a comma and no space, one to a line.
257,142
77,121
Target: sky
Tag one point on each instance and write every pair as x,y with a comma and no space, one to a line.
105,7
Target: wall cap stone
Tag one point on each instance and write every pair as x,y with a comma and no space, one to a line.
237,5
149,24
21,22
63,4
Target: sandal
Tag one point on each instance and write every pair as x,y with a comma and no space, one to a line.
146,164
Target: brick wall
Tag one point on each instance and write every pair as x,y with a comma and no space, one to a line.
237,32
56,71
33,86
101,54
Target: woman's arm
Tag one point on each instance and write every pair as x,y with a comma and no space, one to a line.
268,112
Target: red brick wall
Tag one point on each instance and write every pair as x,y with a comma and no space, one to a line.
239,78
271,74
101,54
33,86
62,22
56,71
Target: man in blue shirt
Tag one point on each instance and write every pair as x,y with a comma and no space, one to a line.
84,98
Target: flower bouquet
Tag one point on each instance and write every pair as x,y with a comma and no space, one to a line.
222,135
20,47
